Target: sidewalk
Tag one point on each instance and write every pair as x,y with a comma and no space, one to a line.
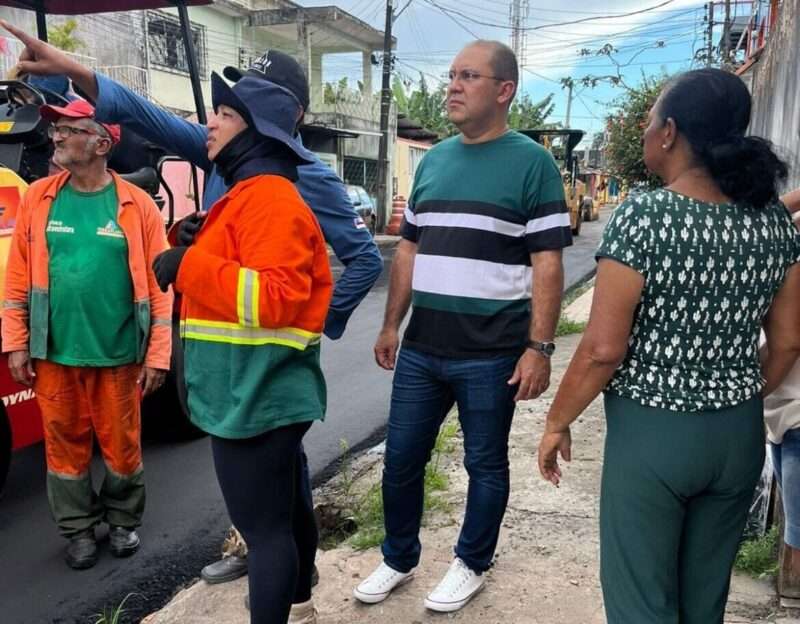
383,241
547,560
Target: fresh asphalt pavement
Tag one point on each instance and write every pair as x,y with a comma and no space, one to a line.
185,518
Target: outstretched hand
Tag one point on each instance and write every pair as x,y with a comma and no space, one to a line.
38,58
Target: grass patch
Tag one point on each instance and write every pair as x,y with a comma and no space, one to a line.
759,557
366,510
566,327
112,615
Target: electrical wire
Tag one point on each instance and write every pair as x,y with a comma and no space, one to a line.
548,25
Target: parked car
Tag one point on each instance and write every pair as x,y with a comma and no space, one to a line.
364,205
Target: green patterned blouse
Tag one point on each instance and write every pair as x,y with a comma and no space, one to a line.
710,274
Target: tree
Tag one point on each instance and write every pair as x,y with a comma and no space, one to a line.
626,132
64,38
426,107
335,92
616,79
525,114
400,97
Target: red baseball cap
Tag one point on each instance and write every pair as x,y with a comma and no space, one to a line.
79,109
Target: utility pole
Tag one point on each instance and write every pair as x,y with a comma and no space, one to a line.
517,17
710,34
386,102
570,86
726,35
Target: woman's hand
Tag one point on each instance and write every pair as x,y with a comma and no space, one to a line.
551,445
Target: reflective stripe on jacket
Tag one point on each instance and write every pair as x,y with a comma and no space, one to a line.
256,286
26,305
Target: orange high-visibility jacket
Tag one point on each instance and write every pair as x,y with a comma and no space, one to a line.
256,285
26,305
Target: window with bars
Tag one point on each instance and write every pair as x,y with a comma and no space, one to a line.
165,41
361,172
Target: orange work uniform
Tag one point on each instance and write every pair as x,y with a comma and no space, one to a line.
77,401
256,286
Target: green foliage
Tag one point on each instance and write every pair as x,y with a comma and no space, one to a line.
368,516
626,127
759,557
335,92
426,106
399,93
112,615
566,327
525,114
63,36
367,510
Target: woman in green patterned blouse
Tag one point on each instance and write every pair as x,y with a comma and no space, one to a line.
687,275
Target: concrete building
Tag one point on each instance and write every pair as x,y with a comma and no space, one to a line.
144,50
412,142
771,69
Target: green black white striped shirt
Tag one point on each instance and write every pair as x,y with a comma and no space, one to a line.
477,212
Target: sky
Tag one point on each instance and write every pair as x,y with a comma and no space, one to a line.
661,38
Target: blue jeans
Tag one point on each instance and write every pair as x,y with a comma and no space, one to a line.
786,460
424,389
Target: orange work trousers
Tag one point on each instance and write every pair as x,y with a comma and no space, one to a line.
78,404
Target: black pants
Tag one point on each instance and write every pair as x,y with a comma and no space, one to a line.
261,480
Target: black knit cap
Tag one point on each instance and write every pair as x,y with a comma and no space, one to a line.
279,68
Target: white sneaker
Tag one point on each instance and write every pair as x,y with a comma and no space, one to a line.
378,585
303,613
457,588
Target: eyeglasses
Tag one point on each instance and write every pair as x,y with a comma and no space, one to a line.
467,75
67,131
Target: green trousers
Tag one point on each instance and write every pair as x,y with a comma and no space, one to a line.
676,490
76,507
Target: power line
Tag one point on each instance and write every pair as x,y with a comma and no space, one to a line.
438,79
574,12
504,13
447,14
548,25
542,76
643,29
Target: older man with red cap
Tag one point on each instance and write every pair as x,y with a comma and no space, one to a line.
85,325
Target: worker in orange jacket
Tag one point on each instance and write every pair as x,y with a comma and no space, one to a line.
256,286
85,324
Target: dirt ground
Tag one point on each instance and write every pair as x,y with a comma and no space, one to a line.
546,569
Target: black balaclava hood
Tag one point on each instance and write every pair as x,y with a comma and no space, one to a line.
250,154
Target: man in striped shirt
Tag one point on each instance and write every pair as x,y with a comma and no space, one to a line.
484,229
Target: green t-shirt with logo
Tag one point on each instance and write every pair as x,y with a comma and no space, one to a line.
91,293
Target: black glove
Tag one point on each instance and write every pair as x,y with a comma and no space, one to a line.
166,266
189,227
